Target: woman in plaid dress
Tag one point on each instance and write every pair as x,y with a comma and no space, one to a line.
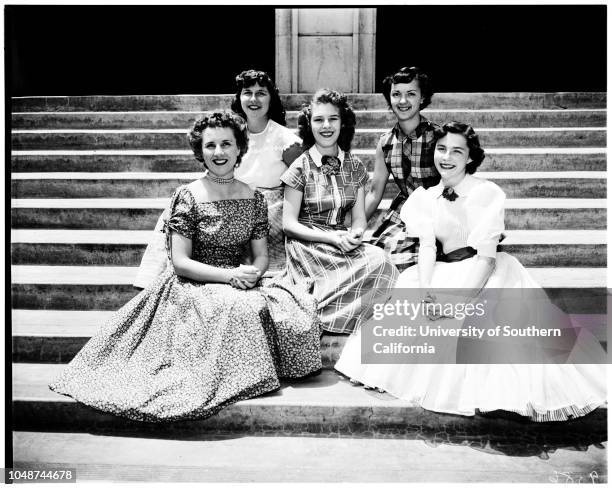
322,187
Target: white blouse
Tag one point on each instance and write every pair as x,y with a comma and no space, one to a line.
263,163
475,218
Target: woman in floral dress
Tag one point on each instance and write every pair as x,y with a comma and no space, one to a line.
322,187
207,332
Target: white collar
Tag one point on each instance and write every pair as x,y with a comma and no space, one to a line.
462,188
316,155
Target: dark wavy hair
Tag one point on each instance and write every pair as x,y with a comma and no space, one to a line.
347,118
476,153
406,75
219,119
247,79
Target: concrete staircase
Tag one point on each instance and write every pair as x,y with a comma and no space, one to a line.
90,176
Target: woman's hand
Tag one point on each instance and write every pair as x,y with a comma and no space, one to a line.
244,277
354,238
434,305
343,241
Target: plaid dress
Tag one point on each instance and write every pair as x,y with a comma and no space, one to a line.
346,285
410,160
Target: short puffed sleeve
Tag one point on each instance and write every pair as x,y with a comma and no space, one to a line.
294,176
417,214
360,175
182,219
485,217
291,145
261,226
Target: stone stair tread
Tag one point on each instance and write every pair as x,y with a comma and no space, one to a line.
87,236
56,323
367,130
498,175
288,458
109,275
160,203
30,383
356,151
295,112
505,100
364,138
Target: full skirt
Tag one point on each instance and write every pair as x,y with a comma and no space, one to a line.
346,285
541,392
183,350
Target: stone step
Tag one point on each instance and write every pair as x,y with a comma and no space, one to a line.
325,405
580,300
142,214
497,159
365,119
159,185
575,290
125,248
106,457
364,138
90,275
47,336
487,100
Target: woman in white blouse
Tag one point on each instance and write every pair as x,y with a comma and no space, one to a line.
465,214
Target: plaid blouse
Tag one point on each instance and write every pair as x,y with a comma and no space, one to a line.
409,158
326,198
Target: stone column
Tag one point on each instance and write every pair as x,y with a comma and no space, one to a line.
332,48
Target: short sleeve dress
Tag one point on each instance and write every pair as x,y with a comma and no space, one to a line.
183,349
346,285
541,392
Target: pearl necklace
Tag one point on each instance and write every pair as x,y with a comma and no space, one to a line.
218,180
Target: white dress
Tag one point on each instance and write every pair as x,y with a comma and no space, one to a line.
542,392
270,152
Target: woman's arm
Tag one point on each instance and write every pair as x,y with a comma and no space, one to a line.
184,266
294,229
379,182
425,264
358,220
358,215
479,274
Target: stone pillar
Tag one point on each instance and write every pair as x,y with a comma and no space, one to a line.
332,48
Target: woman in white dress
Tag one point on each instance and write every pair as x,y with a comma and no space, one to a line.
466,215
272,148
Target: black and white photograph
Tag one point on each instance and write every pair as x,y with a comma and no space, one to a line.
353,243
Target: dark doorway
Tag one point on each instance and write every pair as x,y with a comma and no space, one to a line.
509,48
108,50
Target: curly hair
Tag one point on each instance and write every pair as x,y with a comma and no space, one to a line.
347,118
247,79
476,153
406,75
219,119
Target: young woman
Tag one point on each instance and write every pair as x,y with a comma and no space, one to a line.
406,152
207,332
466,215
272,148
322,187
